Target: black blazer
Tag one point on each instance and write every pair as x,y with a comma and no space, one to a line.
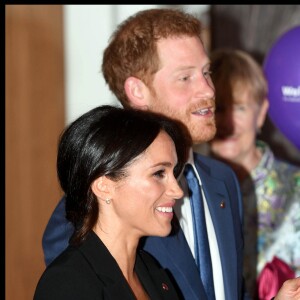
90,272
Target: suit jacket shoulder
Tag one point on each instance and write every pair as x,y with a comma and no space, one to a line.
215,167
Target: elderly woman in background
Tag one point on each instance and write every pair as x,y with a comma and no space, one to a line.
270,187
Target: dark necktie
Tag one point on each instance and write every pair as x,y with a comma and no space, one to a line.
202,252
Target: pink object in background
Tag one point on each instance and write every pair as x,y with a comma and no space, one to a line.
272,277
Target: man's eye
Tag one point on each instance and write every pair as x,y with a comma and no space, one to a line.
184,78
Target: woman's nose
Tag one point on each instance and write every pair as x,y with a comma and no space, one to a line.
175,191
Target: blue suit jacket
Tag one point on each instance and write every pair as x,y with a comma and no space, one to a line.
220,185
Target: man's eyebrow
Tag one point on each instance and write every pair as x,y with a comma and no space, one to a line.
183,68
187,67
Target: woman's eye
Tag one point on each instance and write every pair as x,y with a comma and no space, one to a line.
239,107
160,173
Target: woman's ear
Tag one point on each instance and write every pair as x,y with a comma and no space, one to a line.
262,113
101,187
136,92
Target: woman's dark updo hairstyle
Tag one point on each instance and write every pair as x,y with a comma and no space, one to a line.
105,141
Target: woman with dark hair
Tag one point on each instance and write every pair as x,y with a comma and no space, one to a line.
118,170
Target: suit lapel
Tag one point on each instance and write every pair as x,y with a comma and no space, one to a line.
106,268
219,205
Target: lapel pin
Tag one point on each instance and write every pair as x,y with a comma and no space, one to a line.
222,204
165,287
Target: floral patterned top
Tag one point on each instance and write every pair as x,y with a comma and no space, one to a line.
271,197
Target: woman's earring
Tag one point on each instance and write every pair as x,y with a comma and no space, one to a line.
107,201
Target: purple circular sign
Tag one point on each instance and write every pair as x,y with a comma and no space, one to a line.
282,70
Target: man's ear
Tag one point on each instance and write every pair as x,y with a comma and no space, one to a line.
101,187
136,92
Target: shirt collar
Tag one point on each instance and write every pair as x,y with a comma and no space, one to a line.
190,161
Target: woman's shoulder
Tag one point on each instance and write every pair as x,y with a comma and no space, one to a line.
68,264
67,277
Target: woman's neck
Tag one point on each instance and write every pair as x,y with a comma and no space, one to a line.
124,251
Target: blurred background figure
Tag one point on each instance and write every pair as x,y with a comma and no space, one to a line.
270,187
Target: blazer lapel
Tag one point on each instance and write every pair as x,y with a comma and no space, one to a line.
219,205
106,268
